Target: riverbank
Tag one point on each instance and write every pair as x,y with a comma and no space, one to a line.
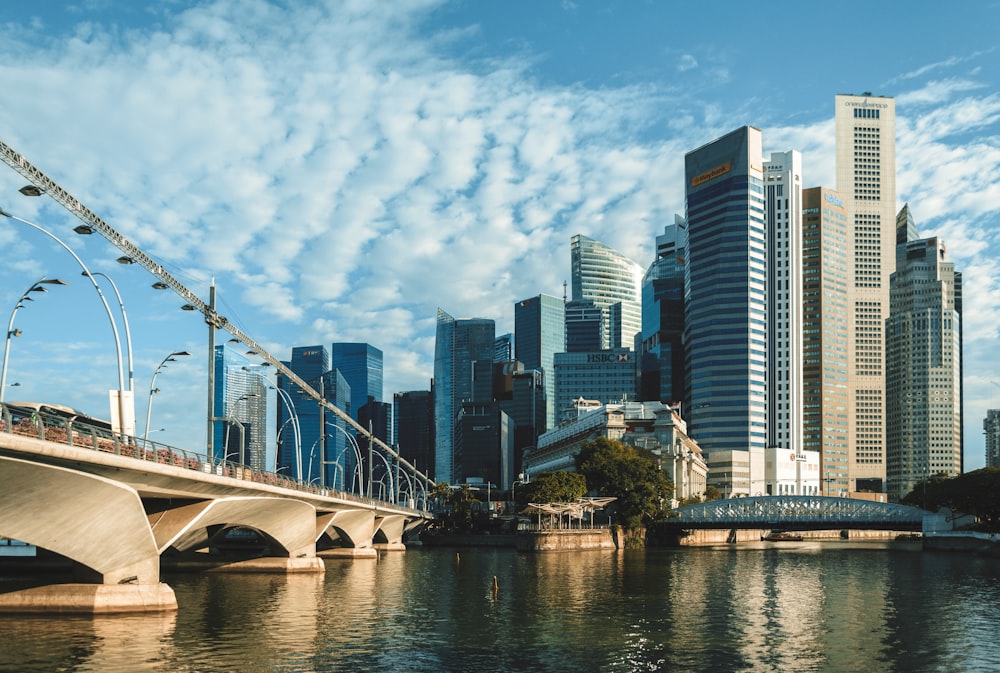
529,541
966,542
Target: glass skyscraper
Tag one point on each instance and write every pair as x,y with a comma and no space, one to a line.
726,307
606,277
240,409
361,365
539,333
661,352
458,345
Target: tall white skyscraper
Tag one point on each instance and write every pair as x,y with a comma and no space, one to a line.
866,179
923,367
783,206
613,282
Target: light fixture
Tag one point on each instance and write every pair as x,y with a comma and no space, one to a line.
160,285
31,190
124,259
188,307
83,229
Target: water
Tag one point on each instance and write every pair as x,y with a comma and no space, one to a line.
809,606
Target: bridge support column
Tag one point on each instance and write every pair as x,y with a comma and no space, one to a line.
97,522
389,533
354,528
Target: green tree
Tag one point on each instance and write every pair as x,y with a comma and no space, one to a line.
549,487
976,493
629,474
455,506
712,493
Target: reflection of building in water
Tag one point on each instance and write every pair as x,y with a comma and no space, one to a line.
650,425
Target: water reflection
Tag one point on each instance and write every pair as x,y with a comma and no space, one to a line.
800,607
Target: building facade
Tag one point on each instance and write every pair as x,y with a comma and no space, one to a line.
606,376
661,347
606,277
458,345
866,179
725,306
923,361
240,429
824,336
783,210
361,365
413,418
540,333
991,428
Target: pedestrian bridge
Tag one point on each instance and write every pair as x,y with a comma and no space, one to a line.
116,505
796,513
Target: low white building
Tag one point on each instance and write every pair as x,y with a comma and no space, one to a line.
789,473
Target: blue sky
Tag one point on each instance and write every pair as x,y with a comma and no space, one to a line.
341,169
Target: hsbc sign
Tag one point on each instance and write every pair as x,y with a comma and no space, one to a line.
611,358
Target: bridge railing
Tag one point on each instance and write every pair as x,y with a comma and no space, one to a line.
63,428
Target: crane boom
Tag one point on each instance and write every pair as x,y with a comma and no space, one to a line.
48,186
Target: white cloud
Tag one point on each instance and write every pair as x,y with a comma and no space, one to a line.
686,62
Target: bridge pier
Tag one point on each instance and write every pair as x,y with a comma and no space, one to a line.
97,522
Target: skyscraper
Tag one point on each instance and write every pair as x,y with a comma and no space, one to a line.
458,345
725,312
661,352
361,365
824,335
414,422
923,358
991,428
783,208
866,179
240,431
606,277
540,333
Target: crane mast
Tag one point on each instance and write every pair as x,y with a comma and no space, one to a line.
94,223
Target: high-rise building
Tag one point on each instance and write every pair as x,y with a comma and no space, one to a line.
503,348
361,365
585,322
991,427
606,277
413,416
240,429
824,335
322,434
725,312
458,345
866,179
661,351
606,376
783,210
923,357
540,333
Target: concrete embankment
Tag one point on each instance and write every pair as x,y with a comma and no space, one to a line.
970,543
548,540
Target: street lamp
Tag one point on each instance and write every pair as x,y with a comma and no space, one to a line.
37,286
152,389
123,422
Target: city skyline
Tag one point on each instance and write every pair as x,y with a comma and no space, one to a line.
340,192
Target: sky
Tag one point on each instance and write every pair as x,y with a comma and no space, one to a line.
340,170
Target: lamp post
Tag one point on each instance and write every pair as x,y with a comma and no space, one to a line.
123,422
152,389
37,286
357,451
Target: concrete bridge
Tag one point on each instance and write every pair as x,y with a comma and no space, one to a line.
115,506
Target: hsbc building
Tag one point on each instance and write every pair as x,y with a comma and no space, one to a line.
607,376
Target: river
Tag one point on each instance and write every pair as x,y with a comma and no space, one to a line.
795,606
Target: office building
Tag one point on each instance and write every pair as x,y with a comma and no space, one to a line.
540,333
584,324
606,376
725,308
361,366
503,348
783,212
866,179
824,336
240,428
991,428
923,357
413,416
661,348
606,277
458,345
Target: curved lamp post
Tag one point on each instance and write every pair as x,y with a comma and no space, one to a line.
357,451
123,421
152,389
37,286
128,333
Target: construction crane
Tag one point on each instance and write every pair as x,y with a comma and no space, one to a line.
42,184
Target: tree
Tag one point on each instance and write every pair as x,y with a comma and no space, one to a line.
976,493
629,474
552,487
